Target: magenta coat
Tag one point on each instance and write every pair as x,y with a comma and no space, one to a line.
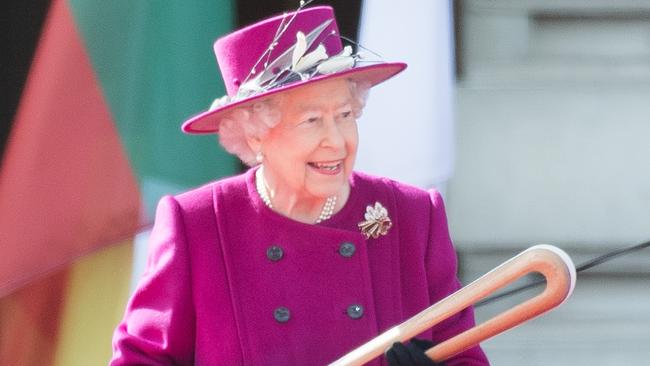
230,282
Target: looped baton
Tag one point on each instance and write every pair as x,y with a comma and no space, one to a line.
553,263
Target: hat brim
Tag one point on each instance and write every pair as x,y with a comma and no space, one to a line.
208,121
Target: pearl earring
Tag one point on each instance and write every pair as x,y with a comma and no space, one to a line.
259,157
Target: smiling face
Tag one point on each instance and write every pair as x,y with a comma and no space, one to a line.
310,154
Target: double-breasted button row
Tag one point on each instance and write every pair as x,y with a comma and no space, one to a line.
282,314
274,253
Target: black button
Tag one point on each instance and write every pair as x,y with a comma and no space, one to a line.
347,249
274,253
355,311
282,314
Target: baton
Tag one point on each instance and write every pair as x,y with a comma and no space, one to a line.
550,261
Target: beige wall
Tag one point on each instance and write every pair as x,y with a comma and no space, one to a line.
553,145
553,123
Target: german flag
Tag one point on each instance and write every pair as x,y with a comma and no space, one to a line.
91,140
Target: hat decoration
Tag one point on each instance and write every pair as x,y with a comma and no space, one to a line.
294,64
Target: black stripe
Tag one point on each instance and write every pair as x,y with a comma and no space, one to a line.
20,27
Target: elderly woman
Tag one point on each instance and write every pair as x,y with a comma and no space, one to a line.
300,259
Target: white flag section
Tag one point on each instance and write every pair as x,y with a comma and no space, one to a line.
406,131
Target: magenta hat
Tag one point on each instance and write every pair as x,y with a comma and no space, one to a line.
282,53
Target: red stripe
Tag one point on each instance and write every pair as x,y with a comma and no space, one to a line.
66,187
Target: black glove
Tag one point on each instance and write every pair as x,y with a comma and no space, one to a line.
411,354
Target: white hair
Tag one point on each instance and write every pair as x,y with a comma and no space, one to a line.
258,118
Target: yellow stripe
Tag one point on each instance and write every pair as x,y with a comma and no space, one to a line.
98,288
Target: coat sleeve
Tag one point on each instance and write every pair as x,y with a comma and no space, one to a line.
158,325
441,266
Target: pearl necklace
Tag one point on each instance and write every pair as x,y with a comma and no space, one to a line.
260,185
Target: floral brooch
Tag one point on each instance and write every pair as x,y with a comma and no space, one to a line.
376,221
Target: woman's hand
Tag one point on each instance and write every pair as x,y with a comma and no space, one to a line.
411,354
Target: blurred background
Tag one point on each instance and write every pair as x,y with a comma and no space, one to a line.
532,117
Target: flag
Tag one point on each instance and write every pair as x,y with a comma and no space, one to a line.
406,131
93,144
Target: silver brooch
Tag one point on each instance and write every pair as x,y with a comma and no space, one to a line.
376,221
